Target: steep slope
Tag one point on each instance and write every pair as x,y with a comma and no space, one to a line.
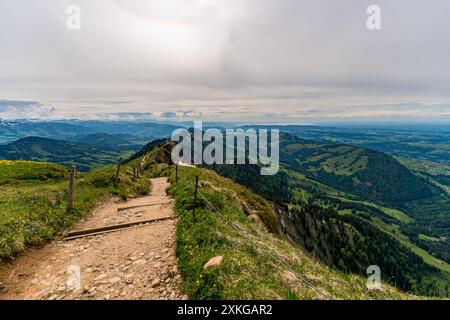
405,268
258,264
349,236
242,227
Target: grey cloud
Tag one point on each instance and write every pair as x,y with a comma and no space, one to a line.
190,114
18,109
179,59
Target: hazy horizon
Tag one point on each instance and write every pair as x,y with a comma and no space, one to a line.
247,61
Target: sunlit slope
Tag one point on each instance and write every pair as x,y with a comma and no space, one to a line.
33,200
242,227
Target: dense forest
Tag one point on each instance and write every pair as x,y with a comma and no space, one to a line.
431,218
351,244
274,188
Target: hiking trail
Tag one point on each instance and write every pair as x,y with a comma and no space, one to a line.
133,263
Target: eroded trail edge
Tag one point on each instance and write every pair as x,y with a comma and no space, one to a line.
133,263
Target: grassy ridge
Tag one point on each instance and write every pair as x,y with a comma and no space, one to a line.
258,264
33,199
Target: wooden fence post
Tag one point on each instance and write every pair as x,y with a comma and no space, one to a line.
195,197
116,180
138,169
71,194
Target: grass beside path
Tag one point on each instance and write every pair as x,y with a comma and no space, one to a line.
33,200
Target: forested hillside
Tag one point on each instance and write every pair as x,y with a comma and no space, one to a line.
369,174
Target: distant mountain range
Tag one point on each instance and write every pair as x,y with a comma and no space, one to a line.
11,131
428,143
88,144
114,142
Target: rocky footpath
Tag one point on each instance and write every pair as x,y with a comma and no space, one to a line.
134,263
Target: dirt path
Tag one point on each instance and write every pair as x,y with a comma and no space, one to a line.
135,263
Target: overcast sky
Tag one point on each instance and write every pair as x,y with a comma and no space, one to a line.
283,61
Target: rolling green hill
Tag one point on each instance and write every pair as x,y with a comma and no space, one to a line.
366,173
86,157
413,141
330,176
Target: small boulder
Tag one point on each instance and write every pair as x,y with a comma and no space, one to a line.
173,271
100,277
155,283
129,279
214,262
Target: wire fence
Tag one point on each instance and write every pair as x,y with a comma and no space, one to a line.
256,244
257,247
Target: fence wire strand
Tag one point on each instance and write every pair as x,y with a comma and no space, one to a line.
267,251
